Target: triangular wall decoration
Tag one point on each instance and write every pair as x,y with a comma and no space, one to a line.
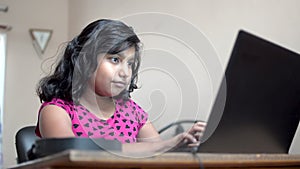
40,38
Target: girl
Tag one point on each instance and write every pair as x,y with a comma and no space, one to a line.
88,94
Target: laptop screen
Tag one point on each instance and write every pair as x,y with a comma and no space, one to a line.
257,109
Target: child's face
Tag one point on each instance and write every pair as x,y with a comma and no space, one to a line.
113,74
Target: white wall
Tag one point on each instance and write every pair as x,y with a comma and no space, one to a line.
219,20
23,65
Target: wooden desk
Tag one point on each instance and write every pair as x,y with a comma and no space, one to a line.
96,159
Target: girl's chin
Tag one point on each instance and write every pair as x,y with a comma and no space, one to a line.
112,94
115,94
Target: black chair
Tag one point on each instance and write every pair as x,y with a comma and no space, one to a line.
30,147
25,138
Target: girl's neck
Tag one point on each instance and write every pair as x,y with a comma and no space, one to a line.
101,106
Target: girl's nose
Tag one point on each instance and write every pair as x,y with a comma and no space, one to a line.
124,71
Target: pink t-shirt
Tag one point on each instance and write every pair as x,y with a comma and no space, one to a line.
123,125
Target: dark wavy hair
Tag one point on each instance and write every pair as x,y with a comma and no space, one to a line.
80,60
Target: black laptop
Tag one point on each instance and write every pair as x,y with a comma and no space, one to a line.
257,108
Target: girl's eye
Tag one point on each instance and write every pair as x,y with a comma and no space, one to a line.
130,63
115,59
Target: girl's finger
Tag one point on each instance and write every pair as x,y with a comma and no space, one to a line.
190,138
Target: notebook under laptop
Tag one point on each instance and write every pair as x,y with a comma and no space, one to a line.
257,108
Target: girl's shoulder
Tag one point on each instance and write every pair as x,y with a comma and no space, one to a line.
67,105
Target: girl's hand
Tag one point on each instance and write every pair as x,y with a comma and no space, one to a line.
197,131
192,137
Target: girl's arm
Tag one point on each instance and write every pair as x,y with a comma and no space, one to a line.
150,141
55,122
148,133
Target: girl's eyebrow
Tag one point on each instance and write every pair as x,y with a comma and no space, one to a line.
122,55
